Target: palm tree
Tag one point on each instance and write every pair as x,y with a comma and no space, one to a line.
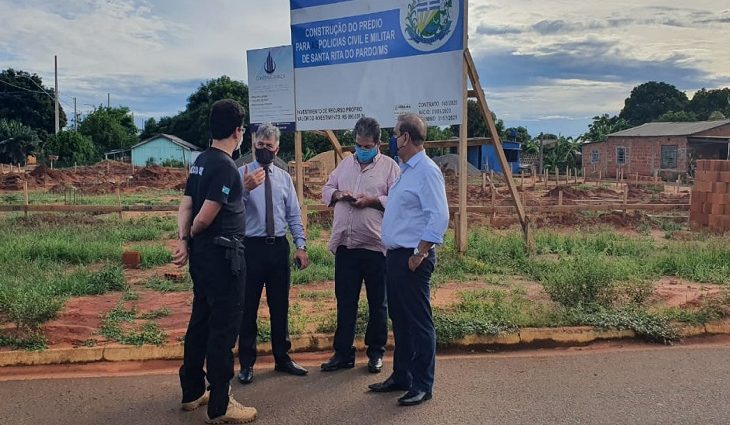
17,141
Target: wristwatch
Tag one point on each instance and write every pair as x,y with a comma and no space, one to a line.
417,253
302,248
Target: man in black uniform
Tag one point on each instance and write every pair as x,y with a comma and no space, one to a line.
211,226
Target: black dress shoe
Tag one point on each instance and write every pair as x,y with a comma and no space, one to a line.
336,363
246,375
387,386
291,368
412,398
375,364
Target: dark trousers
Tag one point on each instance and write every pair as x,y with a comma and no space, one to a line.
268,266
409,305
352,266
218,300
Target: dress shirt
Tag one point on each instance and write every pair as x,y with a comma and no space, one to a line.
359,228
285,202
417,207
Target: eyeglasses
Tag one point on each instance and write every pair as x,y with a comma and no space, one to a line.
243,129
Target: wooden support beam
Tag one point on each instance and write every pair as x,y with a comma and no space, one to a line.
335,143
462,229
487,114
299,175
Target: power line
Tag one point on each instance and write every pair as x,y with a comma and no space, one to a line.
23,88
18,92
36,84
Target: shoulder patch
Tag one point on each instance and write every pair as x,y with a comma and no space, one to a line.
226,190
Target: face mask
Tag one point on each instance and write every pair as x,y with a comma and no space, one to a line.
264,156
365,156
236,153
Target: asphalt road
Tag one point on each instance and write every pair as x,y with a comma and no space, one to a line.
614,385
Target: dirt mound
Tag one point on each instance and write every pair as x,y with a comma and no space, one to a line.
568,192
101,178
159,177
11,182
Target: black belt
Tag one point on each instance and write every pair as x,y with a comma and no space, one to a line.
267,240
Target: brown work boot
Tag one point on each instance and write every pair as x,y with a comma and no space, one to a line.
192,405
235,414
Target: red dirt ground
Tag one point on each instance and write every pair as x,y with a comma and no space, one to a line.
81,317
103,177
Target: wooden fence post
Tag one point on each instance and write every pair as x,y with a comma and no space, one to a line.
560,203
27,197
119,202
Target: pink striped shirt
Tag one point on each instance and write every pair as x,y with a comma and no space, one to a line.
359,227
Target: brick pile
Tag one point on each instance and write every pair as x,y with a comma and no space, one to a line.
710,206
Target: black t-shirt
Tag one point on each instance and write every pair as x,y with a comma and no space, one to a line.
214,177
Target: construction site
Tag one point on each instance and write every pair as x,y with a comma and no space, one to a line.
75,229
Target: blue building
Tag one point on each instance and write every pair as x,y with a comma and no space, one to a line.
485,157
164,147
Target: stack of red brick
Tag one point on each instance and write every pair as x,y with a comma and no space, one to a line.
710,207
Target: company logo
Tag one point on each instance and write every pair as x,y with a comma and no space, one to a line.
429,24
269,65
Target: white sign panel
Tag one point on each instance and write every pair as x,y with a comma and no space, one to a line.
271,87
377,58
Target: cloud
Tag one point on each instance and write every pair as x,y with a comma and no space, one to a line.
497,30
543,62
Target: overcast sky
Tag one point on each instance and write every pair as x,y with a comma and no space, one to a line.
548,65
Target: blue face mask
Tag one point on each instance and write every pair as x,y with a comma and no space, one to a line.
365,156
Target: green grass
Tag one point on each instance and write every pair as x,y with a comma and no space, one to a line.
650,326
487,312
151,197
153,255
160,284
263,330
33,342
317,295
327,323
605,276
321,266
297,319
156,314
704,262
148,332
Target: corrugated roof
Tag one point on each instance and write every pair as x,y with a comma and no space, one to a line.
174,139
670,128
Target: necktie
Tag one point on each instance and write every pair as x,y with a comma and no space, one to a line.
269,204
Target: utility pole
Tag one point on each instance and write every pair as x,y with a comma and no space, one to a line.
55,67
107,100
76,117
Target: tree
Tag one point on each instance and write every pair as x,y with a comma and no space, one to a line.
651,100
192,123
604,125
532,146
680,116
22,99
716,116
17,141
150,129
72,148
109,128
517,134
476,126
705,102
564,153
